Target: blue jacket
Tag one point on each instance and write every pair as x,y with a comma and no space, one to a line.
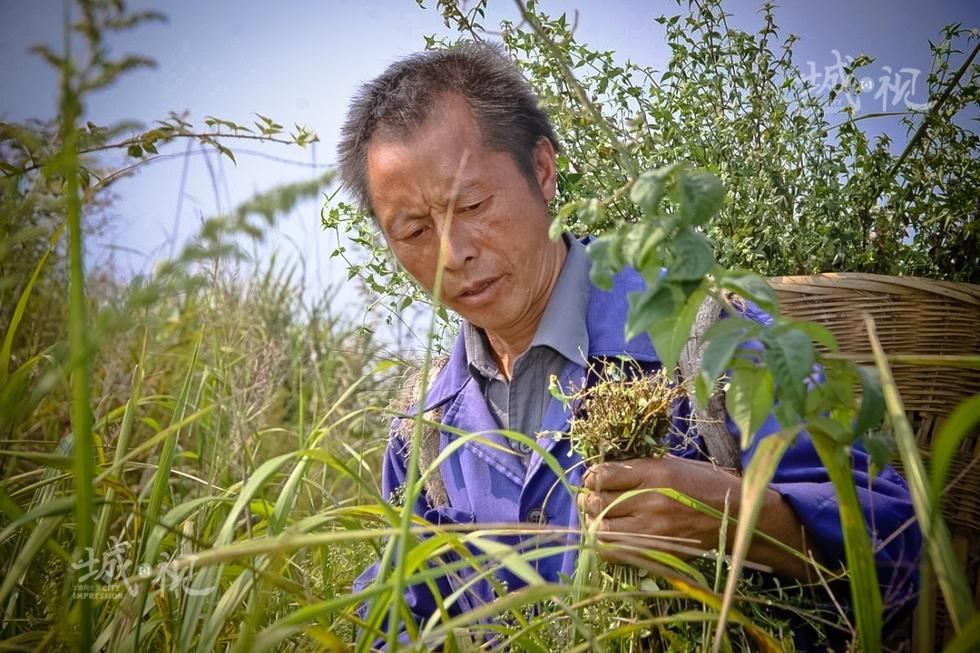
488,485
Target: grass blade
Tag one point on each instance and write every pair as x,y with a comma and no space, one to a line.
759,473
863,575
947,569
963,422
18,315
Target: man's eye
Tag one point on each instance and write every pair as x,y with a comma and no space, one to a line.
471,207
416,233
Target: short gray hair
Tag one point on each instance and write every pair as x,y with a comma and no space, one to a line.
505,107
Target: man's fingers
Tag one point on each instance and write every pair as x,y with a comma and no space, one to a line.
593,503
620,475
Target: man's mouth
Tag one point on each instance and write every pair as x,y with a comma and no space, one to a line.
478,291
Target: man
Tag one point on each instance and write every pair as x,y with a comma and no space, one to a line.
451,153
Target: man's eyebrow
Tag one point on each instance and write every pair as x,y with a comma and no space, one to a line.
469,188
408,216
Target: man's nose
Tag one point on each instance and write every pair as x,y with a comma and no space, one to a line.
458,244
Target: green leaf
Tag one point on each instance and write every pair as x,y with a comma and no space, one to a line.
647,308
790,356
880,446
836,393
669,325
752,287
649,188
963,422
968,639
749,400
558,224
701,195
716,358
872,401
949,571
860,558
692,256
642,244
819,334
591,211
226,151
648,191
729,324
831,428
602,270
134,151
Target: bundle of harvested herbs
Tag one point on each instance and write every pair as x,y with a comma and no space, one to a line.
626,414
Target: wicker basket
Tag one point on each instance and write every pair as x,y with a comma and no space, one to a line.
914,317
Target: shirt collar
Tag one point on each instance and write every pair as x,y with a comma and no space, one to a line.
563,324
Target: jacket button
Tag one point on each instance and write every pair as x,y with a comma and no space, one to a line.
537,516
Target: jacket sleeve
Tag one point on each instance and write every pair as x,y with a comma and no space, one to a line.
803,481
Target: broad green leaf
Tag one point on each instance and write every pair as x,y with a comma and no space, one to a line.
602,270
642,245
591,211
835,395
701,195
749,400
692,256
831,428
649,188
880,447
790,356
669,326
819,333
648,308
752,287
718,355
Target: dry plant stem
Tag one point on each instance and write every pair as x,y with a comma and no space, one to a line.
138,141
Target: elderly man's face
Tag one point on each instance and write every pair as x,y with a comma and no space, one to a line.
499,264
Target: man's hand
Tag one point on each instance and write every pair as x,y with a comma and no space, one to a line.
654,514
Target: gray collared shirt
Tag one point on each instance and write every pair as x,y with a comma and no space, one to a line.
562,336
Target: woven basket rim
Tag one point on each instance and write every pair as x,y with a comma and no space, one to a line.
967,293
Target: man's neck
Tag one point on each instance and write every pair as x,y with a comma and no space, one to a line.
507,347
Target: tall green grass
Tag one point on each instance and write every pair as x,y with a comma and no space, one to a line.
193,465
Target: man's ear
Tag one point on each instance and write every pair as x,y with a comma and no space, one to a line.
545,168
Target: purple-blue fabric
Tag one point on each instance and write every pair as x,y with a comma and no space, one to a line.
489,485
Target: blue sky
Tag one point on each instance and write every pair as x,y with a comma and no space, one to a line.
299,62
